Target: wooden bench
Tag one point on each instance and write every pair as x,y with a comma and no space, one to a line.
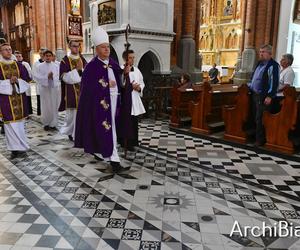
279,126
235,116
181,99
207,111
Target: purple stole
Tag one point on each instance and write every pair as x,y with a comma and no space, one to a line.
69,92
13,107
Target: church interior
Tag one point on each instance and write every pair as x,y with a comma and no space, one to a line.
197,180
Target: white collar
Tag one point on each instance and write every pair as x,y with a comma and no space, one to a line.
104,61
7,60
74,56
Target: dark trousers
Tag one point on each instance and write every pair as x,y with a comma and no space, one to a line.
135,127
29,105
38,100
258,108
1,127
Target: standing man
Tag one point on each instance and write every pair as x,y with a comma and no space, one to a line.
34,72
213,74
132,105
287,74
99,103
47,74
264,85
19,58
70,72
286,78
14,80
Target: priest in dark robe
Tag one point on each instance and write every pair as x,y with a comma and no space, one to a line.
99,104
14,80
70,72
132,105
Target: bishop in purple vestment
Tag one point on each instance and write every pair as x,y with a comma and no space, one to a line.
99,104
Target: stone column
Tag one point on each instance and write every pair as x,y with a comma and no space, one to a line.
41,24
187,48
52,25
241,44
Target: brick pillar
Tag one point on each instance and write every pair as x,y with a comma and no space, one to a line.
261,24
187,48
177,29
41,24
262,17
249,53
198,58
59,30
251,10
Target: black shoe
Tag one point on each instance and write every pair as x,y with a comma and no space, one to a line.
116,166
14,154
131,149
46,128
22,154
53,128
70,137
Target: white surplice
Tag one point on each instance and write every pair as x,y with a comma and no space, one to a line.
49,92
27,66
136,77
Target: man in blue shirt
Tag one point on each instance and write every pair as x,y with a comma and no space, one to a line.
264,85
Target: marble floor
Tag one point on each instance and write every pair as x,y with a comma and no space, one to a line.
181,193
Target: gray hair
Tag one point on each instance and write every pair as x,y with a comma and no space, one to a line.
267,47
289,58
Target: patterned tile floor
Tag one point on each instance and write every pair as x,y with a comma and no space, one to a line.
181,193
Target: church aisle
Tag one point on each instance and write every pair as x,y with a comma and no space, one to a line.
59,198
272,173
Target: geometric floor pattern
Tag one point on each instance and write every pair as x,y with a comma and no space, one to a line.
279,174
181,193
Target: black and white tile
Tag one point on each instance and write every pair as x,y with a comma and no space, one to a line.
181,193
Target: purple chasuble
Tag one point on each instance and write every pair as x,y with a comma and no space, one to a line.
14,107
93,129
69,92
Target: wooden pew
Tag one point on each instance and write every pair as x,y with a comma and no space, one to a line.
278,126
181,99
207,111
235,116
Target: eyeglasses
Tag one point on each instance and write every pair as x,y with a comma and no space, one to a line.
8,49
73,46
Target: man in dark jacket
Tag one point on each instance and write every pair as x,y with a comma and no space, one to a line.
264,85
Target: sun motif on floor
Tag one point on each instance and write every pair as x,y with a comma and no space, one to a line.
171,201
